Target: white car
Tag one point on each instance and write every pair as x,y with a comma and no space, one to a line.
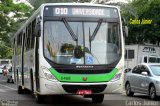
143,78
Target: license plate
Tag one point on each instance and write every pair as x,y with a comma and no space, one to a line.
84,92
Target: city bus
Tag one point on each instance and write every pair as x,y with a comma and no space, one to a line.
70,49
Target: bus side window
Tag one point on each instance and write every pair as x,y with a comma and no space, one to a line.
29,36
25,39
19,44
32,34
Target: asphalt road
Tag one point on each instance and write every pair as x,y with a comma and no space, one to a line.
10,97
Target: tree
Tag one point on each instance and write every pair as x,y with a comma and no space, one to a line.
37,3
140,33
11,16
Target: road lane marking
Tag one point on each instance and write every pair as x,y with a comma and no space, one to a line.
7,87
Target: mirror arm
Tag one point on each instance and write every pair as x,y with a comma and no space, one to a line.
38,30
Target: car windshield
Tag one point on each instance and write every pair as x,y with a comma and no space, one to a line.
155,69
82,42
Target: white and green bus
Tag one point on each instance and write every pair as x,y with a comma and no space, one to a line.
70,49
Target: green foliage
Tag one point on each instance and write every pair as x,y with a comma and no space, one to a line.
37,3
140,33
6,51
11,16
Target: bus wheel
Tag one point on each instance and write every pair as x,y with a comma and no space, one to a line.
98,98
12,81
40,98
20,90
8,80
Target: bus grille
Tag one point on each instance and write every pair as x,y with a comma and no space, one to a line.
84,71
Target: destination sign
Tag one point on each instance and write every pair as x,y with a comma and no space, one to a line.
81,12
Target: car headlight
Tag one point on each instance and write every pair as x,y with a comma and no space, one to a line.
116,77
48,74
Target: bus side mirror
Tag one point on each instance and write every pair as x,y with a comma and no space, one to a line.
125,31
124,27
37,30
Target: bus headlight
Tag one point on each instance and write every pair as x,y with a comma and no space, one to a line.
48,74
116,77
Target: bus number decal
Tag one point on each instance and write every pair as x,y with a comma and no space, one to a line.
61,11
65,78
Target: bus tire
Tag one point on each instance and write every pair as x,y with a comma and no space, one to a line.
40,98
20,90
8,81
12,81
97,98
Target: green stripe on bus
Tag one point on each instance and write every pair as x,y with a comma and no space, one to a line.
79,77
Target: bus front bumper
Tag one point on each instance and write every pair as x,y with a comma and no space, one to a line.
48,87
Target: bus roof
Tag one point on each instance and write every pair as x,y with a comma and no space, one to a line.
60,4
78,4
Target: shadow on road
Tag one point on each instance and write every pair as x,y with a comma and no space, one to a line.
146,97
61,101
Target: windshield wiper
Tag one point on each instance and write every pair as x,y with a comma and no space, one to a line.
96,30
70,29
90,39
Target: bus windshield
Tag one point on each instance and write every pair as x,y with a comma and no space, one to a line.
84,43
